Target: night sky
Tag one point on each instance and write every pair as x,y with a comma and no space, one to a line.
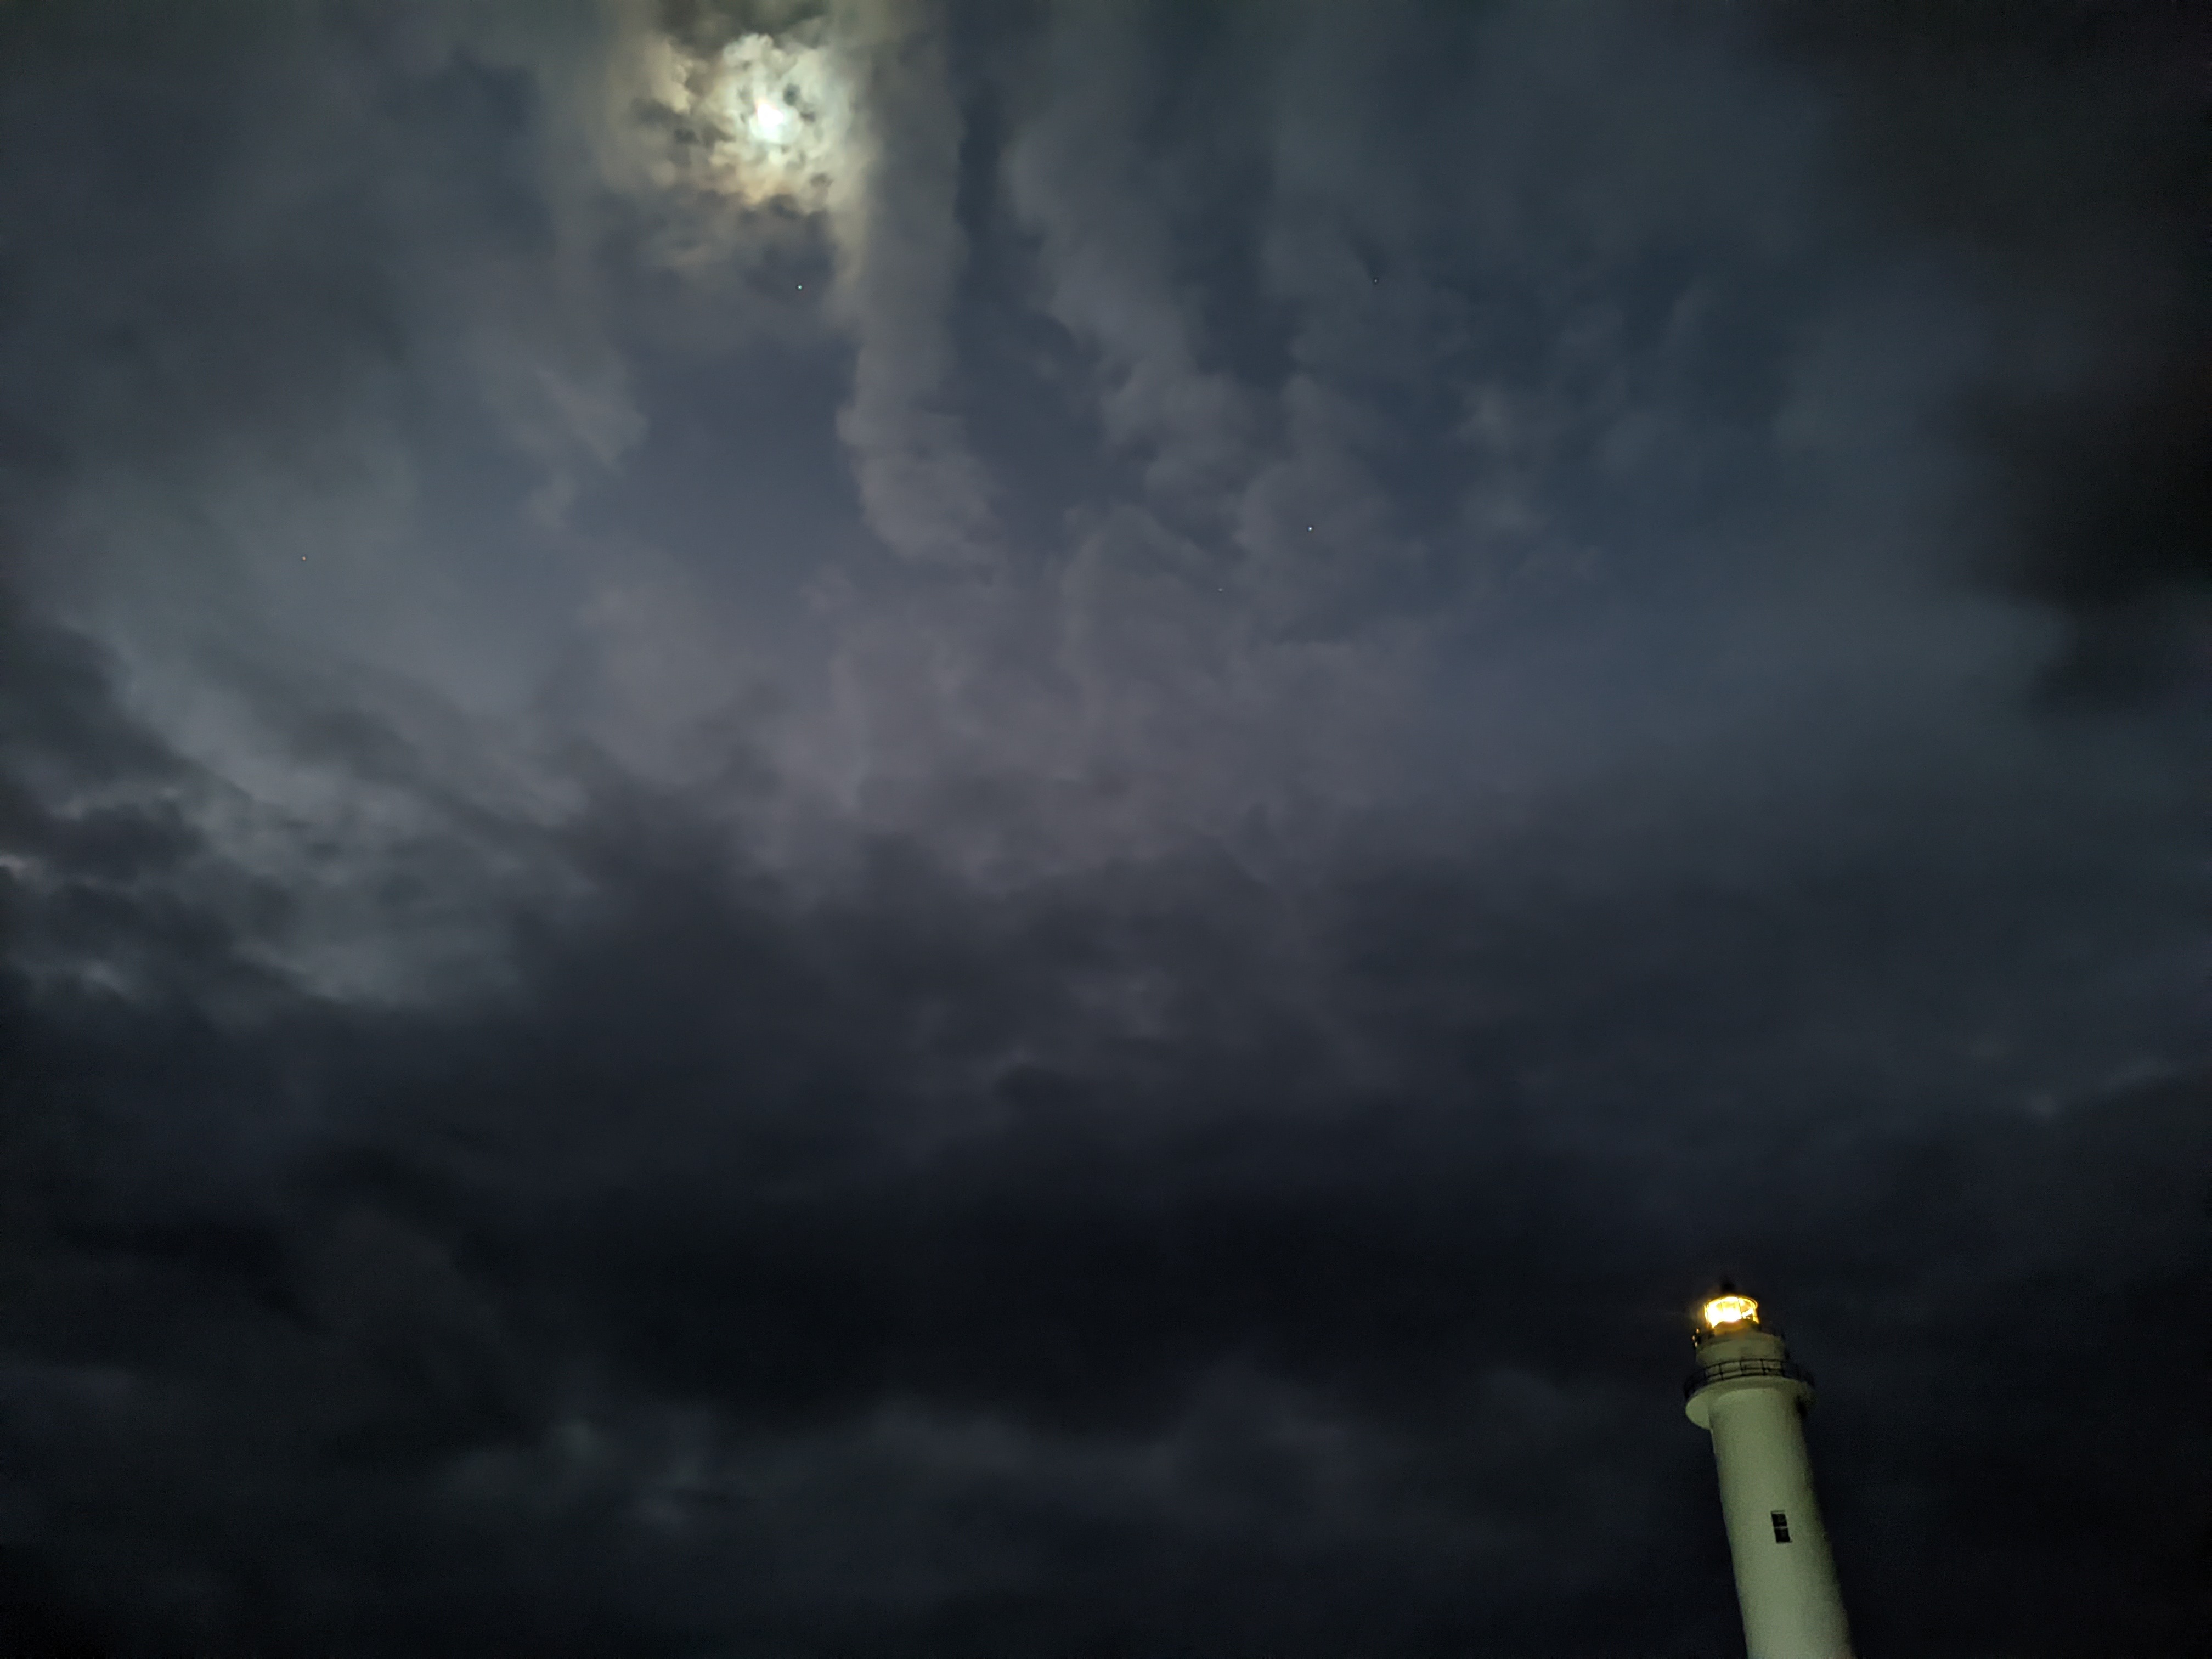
1012,826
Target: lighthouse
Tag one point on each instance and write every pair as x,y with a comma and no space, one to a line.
1751,1397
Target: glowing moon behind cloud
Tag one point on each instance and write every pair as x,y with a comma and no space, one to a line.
773,122
770,117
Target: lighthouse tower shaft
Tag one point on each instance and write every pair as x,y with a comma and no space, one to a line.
1752,1398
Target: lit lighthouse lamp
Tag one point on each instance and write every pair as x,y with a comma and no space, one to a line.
1751,1397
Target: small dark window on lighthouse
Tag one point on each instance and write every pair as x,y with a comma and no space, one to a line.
1781,1527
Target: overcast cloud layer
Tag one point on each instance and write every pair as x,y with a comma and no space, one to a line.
1011,828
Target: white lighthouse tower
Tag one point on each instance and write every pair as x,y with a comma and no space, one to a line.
1750,1396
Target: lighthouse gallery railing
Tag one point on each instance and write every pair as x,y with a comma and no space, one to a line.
1722,1370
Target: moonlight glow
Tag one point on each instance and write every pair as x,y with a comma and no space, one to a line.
772,123
767,118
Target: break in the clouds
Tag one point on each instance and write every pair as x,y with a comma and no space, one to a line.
1010,828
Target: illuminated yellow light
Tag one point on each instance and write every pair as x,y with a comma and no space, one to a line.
1731,1310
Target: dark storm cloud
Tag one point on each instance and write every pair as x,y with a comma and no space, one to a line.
738,1254
2083,229
614,1068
